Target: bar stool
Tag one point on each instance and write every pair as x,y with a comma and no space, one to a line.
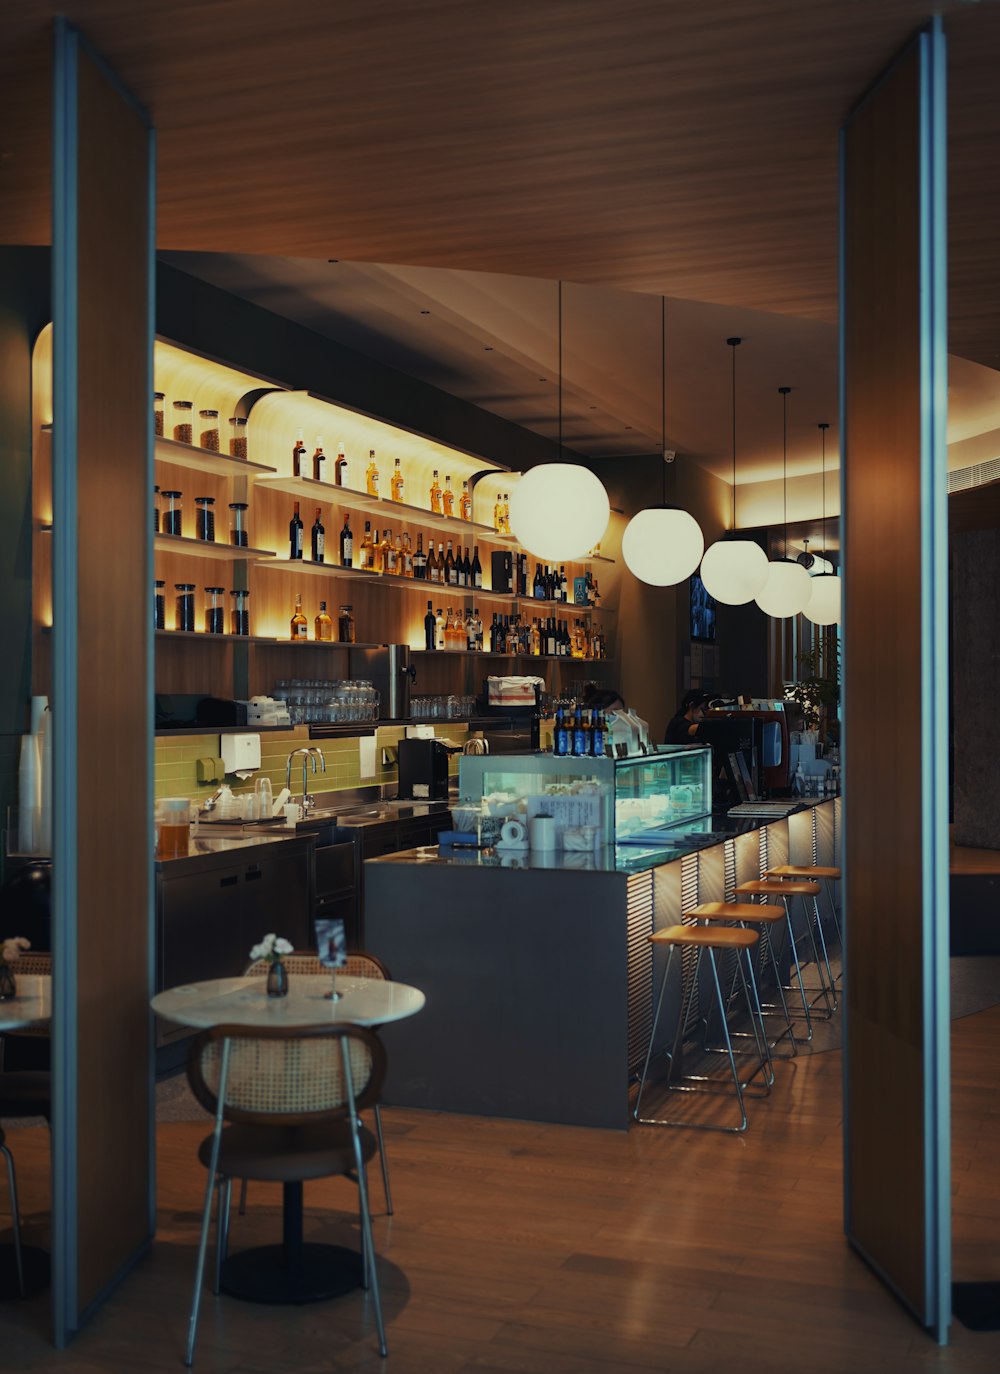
826,875
703,938
765,917
784,889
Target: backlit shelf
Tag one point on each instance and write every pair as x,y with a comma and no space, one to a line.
208,548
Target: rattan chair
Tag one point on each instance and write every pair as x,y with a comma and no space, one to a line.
359,964
291,1096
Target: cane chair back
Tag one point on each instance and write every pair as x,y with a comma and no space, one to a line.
359,965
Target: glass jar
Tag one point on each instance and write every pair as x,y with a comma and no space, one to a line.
156,510
215,611
173,516
204,518
241,612
184,619
238,533
237,437
183,415
209,429
345,625
159,605
158,399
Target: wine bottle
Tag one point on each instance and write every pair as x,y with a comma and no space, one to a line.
324,624
371,475
465,506
449,569
346,543
476,570
447,498
436,494
318,538
299,455
470,632
340,467
467,570
295,534
396,482
319,458
538,586
300,626
429,628
420,561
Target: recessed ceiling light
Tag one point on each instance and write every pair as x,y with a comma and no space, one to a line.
333,259
543,379
488,348
425,312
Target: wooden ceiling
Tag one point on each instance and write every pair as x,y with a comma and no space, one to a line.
676,147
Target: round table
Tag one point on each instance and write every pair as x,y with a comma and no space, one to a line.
292,1272
30,1008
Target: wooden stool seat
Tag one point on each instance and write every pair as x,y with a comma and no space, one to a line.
737,911
778,887
804,871
726,938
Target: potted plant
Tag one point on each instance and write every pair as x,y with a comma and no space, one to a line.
817,694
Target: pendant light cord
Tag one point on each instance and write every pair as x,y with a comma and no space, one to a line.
663,395
784,390
560,322
824,426
734,344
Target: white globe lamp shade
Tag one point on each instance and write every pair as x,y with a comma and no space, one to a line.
824,603
559,511
787,589
662,545
734,570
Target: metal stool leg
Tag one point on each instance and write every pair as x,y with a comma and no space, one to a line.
798,969
381,1158
652,1034
765,936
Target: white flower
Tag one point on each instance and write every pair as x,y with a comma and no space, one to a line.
271,947
282,946
12,947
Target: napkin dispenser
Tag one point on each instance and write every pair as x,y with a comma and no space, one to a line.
423,770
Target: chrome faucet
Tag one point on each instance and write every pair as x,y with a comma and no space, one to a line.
308,757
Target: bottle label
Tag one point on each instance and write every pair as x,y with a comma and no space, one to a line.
320,546
301,631
298,542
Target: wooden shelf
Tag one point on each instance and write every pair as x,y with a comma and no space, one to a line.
311,490
309,644
205,460
200,637
488,653
208,548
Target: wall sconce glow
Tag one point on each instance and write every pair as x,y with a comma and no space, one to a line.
787,589
734,570
662,545
559,511
825,602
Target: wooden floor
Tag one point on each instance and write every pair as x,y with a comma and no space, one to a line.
554,1250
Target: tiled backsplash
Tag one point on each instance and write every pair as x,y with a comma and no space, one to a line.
177,757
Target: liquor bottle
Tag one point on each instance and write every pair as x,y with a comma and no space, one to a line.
406,557
467,570
429,627
396,482
389,564
433,571
371,475
581,734
324,624
505,525
295,534
420,561
441,569
299,455
378,554
346,543
300,626
319,458
479,630
365,555
397,545
436,494
563,584
450,578
447,498
450,631
498,514
597,735
465,505
535,640
561,735
340,467
521,574
495,634
345,625
470,632
550,637
538,586
460,568
318,538
439,630
476,570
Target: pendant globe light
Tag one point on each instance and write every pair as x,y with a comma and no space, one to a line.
662,545
559,511
734,570
824,603
788,588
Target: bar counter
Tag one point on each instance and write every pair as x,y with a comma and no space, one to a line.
539,984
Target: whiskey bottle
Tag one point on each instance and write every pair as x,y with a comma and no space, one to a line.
300,626
324,624
371,475
345,625
365,558
420,561
295,534
396,482
318,538
465,506
389,564
436,494
299,455
406,557
447,498
429,628
319,458
498,515
340,468
505,524
346,543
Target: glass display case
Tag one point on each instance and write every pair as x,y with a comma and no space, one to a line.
594,802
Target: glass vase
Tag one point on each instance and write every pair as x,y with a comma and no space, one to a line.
277,979
8,984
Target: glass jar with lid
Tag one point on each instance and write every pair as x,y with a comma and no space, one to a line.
159,605
158,400
208,430
241,612
215,611
204,518
345,625
238,437
184,619
238,532
173,516
183,427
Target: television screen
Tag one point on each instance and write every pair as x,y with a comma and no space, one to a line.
702,611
